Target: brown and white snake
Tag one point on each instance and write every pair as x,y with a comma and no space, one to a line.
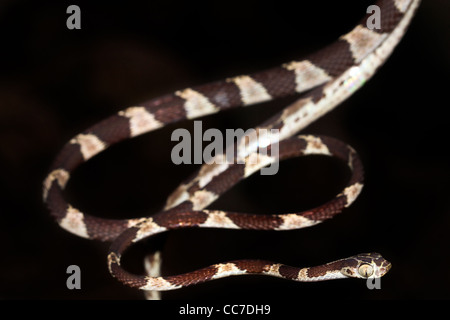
324,79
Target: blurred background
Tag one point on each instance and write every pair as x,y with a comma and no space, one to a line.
56,82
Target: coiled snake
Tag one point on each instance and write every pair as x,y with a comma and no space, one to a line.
325,79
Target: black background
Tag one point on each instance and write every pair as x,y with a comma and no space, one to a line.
56,82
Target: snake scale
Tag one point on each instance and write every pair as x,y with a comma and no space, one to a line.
324,79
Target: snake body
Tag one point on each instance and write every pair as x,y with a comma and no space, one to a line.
324,79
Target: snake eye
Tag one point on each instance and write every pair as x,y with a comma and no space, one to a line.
365,270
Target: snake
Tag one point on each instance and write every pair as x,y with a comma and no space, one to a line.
322,80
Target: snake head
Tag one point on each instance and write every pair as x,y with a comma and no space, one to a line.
366,265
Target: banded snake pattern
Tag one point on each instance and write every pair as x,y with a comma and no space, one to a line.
324,79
